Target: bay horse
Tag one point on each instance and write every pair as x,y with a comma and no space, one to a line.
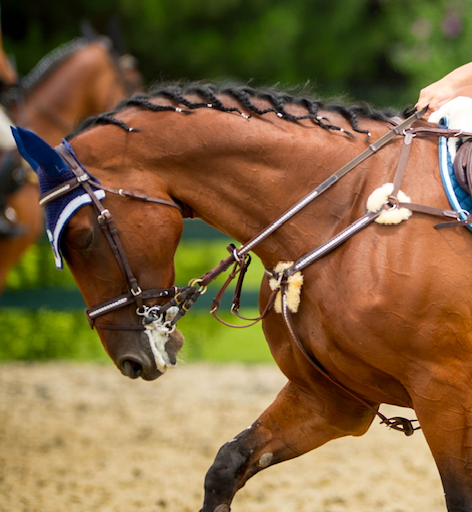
382,316
80,78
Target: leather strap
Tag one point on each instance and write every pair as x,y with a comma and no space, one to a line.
402,163
331,244
68,186
106,223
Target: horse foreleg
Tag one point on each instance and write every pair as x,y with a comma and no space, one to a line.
295,423
446,420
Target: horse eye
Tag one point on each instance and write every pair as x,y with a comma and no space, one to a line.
78,239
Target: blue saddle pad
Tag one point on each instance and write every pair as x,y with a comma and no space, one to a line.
458,198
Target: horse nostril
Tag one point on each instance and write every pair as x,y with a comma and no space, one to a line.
137,365
131,369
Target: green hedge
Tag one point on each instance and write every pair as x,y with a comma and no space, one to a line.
39,334
381,51
45,335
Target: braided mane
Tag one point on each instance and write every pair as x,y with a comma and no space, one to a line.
214,97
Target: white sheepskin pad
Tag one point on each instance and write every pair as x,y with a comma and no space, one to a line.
294,288
379,197
459,113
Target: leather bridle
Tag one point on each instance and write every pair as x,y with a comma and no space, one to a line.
136,295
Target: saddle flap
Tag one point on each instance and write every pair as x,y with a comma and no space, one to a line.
463,166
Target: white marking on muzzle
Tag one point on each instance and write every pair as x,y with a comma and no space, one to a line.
159,333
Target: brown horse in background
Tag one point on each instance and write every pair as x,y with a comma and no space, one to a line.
383,318
79,79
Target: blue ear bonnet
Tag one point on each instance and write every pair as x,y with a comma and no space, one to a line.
59,212
52,171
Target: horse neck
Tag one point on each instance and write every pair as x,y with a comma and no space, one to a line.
83,85
245,174
238,175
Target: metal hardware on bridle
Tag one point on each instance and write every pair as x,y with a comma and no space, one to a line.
240,263
400,424
240,266
150,314
156,317
183,299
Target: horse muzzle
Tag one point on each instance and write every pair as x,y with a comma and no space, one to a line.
150,357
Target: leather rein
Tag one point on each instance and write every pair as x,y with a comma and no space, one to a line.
184,298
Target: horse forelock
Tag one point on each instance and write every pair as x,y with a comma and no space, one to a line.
244,100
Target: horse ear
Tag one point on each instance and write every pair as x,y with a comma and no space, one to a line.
87,30
38,153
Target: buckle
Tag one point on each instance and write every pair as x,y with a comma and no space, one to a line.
137,292
104,216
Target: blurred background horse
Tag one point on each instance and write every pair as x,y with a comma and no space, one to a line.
76,80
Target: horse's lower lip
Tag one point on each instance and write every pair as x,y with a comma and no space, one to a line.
153,376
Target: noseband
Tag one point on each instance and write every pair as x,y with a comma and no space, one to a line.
182,298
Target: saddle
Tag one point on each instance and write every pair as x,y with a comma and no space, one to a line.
463,166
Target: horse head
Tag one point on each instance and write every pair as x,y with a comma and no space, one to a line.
134,302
